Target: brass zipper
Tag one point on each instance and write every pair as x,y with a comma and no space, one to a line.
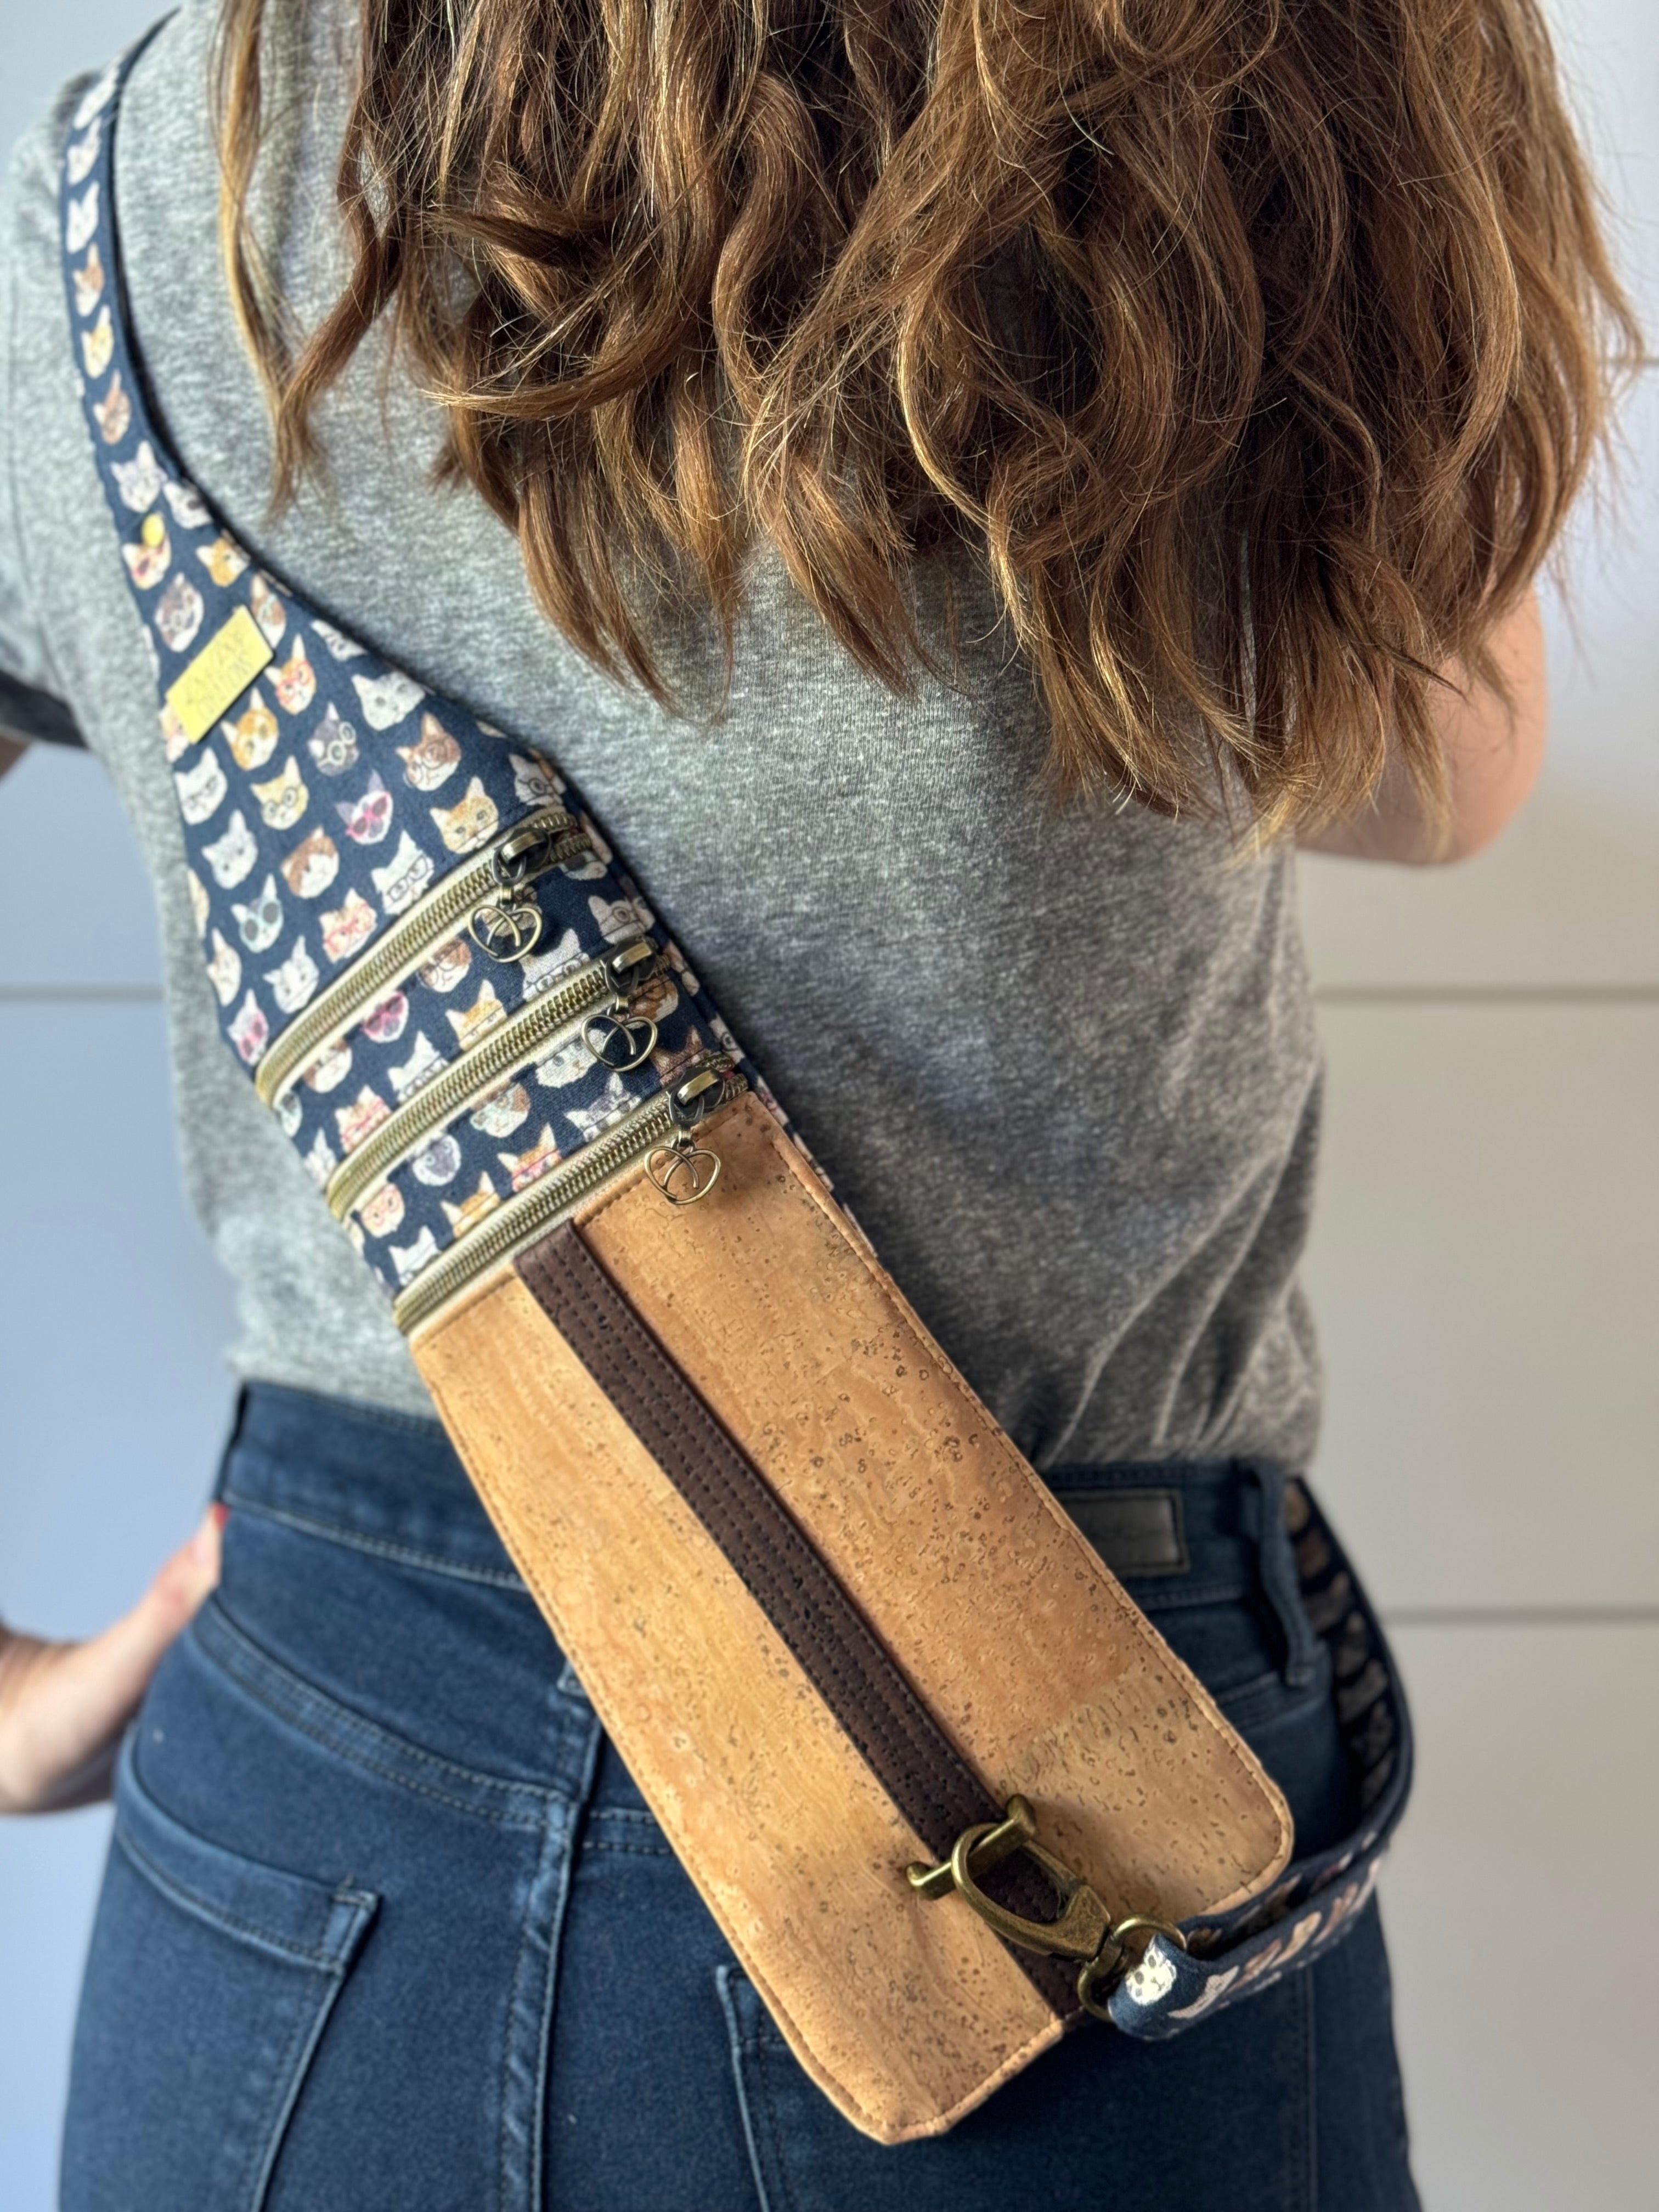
468,1079
428,922
513,1223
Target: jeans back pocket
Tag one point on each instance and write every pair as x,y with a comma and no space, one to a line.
209,1982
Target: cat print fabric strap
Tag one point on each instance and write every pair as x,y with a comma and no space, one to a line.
513,1007
328,801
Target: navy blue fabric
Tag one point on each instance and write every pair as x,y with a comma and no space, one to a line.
387,1928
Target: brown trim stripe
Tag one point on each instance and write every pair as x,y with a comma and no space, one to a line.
930,1783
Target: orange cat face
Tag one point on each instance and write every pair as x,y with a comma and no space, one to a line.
471,822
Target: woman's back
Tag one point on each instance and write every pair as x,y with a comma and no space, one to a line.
1060,1064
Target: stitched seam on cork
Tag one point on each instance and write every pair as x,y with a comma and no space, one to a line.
834,2084
912,1757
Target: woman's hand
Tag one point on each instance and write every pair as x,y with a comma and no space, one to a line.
63,1707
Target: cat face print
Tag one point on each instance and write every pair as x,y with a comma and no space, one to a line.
313,865
471,1022
368,819
541,968
252,736
340,646
89,282
294,982
113,412
259,924
432,761
359,1119
347,926
383,1211
670,1065
224,560
81,220
656,999
617,919
148,561
179,614
409,1259
388,1021
612,1103
404,877
295,681
82,152
507,1111
250,1032
289,1113
445,969
330,1069
524,1167
188,508
283,800
175,737
472,1211
200,788
424,1061
98,346
321,1160
232,857
387,699
96,97
224,971
333,744
471,822
568,1065
438,1163
139,480
198,899
268,610
535,781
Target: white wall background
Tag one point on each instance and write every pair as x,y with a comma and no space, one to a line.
1484,1268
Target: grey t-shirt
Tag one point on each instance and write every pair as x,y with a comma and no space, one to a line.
1061,1063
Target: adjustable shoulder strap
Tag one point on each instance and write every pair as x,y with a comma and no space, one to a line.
350,832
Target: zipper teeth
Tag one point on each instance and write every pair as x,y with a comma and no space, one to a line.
478,1068
538,1208
405,945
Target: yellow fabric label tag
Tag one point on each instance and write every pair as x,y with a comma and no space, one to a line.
219,675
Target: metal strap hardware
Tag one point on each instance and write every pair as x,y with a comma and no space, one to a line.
1082,1929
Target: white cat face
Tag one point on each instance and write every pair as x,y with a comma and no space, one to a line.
293,984
198,899
565,1066
387,699
501,1116
536,782
345,927
179,614
404,877
200,788
321,1160
422,1063
139,480
409,1259
81,220
541,968
259,923
268,609
618,919
232,857
82,152
224,969
439,1164
289,1113
608,1107
250,1032
341,646
189,510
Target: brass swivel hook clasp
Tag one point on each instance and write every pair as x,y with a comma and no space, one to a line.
1082,1929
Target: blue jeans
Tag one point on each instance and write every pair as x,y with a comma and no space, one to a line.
386,1927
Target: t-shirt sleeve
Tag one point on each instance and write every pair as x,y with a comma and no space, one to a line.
31,705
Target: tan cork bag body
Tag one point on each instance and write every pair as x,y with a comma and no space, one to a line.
970,1582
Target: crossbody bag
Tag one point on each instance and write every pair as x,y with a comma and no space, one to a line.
945,1788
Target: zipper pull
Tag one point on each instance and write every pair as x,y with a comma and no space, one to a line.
619,1038
510,927
684,1170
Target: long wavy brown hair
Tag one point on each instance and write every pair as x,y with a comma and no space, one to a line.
1259,346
